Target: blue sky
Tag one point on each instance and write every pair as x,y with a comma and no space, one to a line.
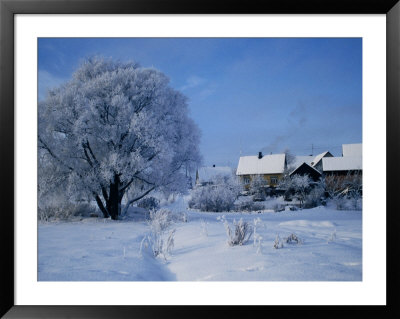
246,94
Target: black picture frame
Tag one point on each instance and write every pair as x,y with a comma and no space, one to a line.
8,8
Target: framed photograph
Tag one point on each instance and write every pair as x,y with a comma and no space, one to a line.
162,155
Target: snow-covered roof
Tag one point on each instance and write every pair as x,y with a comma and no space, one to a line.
298,160
345,163
206,174
304,163
310,160
319,157
352,150
268,164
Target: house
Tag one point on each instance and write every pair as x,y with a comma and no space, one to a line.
308,165
306,169
317,161
349,163
342,165
270,167
313,161
354,150
207,175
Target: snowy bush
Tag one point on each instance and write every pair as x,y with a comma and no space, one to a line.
258,226
257,188
340,202
178,217
65,211
160,219
149,203
314,197
301,185
279,208
258,243
216,197
356,203
159,241
278,243
347,203
286,184
345,191
296,185
353,184
241,234
293,239
248,206
204,230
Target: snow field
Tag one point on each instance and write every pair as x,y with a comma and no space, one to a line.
94,249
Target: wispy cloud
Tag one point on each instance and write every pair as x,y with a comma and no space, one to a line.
193,82
47,81
206,92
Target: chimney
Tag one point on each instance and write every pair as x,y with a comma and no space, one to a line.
260,155
213,165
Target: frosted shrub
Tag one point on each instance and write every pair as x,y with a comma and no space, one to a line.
293,239
249,206
242,232
149,203
313,199
257,225
258,243
177,217
298,185
204,230
347,203
278,208
213,198
354,184
64,211
356,203
257,187
159,241
345,191
340,202
160,219
278,242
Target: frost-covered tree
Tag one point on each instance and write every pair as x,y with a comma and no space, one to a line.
316,195
301,185
116,129
343,187
333,185
257,187
296,184
353,182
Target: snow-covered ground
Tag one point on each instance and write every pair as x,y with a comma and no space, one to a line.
94,249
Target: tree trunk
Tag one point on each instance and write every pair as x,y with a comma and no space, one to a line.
101,206
112,206
114,199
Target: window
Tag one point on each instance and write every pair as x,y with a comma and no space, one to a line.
246,180
274,180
